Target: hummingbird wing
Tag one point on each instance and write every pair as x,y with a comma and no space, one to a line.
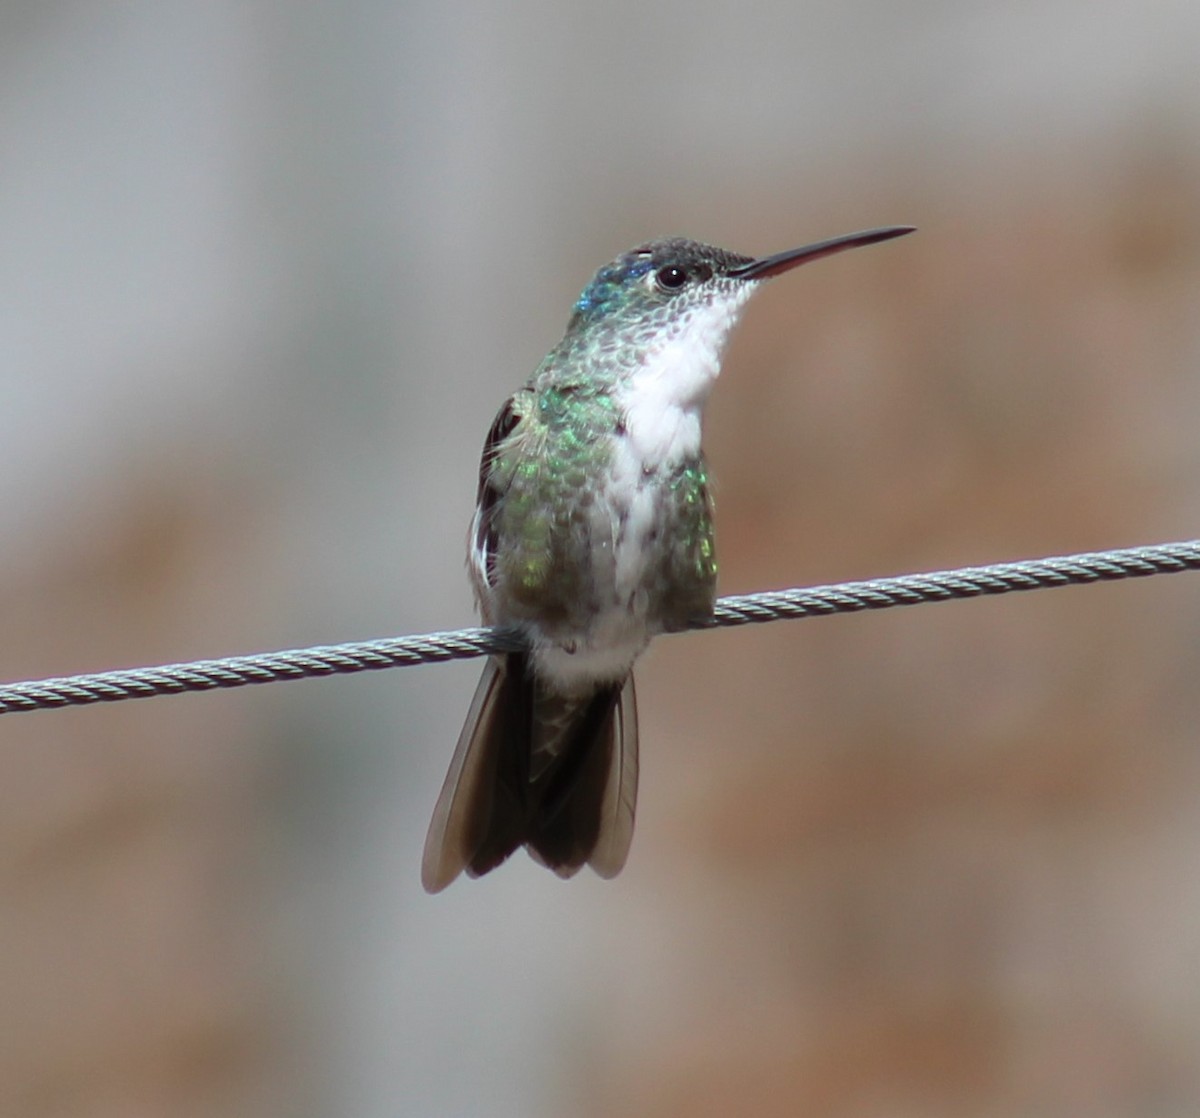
482,556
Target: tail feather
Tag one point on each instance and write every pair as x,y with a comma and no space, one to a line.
463,816
620,793
533,768
565,827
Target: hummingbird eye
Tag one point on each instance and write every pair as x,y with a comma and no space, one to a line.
671,278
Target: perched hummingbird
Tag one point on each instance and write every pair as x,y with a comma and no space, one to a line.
593,532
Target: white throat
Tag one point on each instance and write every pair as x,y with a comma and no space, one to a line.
664,400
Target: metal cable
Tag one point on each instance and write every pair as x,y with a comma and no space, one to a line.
462,644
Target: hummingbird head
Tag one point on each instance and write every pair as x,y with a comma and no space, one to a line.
679,274
665,309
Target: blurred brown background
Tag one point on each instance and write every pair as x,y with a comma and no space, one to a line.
266,274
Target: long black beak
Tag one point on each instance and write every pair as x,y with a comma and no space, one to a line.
767,266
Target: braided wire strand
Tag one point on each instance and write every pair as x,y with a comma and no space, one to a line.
463,644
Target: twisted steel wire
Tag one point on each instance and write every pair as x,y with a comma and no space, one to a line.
462,644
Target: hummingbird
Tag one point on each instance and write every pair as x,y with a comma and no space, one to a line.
592,533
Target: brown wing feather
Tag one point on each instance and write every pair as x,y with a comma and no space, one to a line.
483,528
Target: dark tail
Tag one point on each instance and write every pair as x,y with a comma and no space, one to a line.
533,768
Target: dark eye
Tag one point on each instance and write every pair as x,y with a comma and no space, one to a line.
671,278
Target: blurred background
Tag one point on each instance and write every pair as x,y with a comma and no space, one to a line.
266,273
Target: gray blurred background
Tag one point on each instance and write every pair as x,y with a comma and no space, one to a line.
266,272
